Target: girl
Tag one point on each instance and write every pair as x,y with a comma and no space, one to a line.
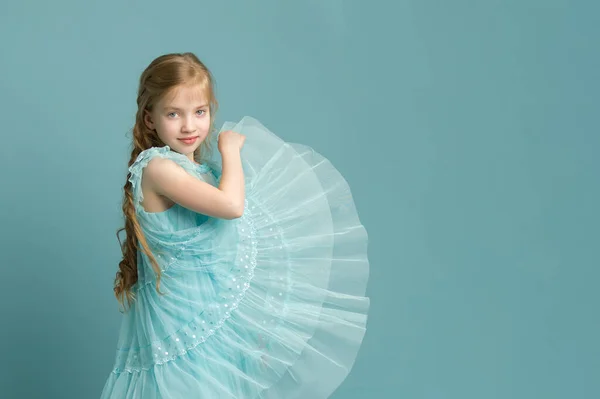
244,269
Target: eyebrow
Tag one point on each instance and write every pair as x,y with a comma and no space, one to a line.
179,109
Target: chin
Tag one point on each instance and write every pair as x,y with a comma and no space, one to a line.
186,149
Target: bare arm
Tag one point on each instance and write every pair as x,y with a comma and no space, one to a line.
170,180
232,178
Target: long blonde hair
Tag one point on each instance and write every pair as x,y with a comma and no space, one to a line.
162,75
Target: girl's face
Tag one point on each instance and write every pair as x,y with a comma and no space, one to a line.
181,119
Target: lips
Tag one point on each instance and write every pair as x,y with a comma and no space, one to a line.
189,140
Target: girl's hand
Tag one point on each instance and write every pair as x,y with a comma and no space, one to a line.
230,140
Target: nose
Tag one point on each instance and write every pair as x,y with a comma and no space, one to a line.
188,124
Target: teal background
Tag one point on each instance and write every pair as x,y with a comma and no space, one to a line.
467,131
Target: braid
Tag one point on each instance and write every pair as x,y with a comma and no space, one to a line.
127,275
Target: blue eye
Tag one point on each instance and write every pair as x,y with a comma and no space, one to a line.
175,113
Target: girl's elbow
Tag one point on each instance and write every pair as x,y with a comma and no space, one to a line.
239,212
236,212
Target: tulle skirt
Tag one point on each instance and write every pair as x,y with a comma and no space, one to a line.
270,305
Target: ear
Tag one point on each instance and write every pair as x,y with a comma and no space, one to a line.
148,120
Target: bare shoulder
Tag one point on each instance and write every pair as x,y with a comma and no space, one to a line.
161,169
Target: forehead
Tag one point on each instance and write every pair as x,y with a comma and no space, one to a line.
185,96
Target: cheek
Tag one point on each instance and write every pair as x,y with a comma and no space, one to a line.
169,124
205,123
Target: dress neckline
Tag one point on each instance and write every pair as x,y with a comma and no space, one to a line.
200,167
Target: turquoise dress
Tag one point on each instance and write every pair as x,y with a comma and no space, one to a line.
268,305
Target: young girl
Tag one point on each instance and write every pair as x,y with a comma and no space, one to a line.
244,269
